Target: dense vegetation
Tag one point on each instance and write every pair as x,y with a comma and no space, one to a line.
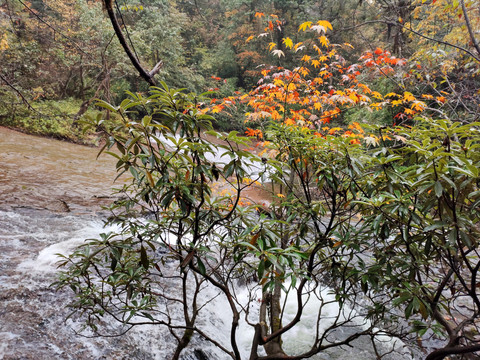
369,147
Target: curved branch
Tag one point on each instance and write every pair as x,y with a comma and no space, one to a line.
147,76
393,23
440,354
18,92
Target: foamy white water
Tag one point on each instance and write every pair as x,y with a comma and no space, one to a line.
32,322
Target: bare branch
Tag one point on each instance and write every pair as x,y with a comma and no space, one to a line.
469,27
392,23
18,93
78,47
147,76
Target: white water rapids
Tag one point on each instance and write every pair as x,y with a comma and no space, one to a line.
50,196
33,315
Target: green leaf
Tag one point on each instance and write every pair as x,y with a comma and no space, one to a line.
438,189
261,269
201,267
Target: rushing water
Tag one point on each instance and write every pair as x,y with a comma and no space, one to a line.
51,192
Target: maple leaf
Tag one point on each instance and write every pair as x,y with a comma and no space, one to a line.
278,53
324,41
408,96
259,14
315,63
371,140
304,71
288,42
418,105
427,96
332,131
305,25
325,24
306,58
391,94
271,46
249,38
319,29
298,46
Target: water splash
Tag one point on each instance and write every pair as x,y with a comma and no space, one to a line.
33,313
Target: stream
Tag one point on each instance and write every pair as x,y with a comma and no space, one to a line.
51,198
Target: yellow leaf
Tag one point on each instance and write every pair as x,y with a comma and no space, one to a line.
390,94
418,105
323,40
408,96
4,43
288,42
325,24
280,195
315,63
271,46
150,178
298,46
305,25
249,38
291,87
306,58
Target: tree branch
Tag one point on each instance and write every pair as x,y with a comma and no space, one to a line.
54,29
18,92
147,76
452,350
392,23
469,27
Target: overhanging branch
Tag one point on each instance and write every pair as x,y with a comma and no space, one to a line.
146,75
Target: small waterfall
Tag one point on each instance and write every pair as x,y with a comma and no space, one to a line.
33,314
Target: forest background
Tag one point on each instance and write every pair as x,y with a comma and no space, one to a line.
57,56
412,65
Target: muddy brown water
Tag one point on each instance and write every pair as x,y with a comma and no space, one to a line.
43,173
